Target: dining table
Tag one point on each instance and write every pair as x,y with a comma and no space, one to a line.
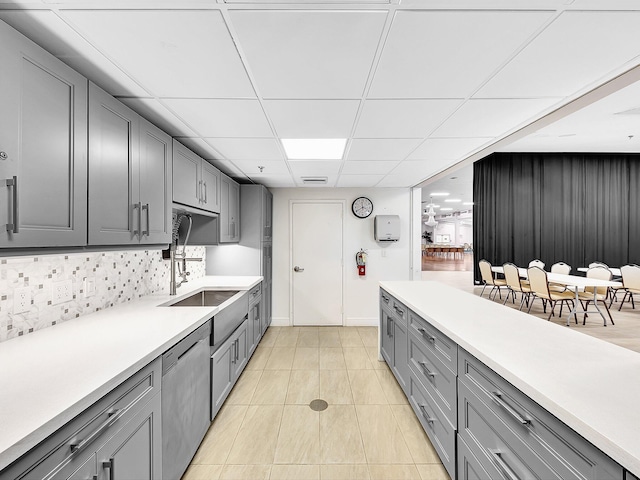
614,271
577,284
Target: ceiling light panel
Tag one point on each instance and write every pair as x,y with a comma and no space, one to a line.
381,148
169,51
312,118
309,54
222,117
362,181
577,49
379,167
247,148
70,47
402,118
492,118
428,53
314,148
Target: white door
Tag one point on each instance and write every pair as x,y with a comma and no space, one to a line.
316,268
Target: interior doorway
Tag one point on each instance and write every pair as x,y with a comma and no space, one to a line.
316,262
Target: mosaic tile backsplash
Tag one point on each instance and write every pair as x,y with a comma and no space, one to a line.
118,277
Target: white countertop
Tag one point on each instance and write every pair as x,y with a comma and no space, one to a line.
50,376
589,384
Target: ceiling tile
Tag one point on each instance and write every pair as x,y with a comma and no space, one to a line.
54,35
402,118
175,53
271,167
358,180
379,167
222,117
274,181
420,169
199,146
492,118
394,180
577,49
312,118
428,54
309,54
228,167
447,148
313,168
159,115
381,148
247,148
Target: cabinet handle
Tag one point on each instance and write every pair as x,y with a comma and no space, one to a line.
427,334
426,416
426,369
386,299
497,397
233,352
502,465
145,232
199,191
398,310
205,191
109,465
136,206
14,226
113,417
237,350
390,327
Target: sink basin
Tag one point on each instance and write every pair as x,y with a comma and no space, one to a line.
206,298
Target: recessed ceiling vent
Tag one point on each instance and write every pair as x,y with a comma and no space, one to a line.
314,180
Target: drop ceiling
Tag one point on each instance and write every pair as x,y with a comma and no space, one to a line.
415,86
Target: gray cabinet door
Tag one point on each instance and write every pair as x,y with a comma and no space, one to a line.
187,186
43,132
221,376
135,451
267,214
114,209
229,210
155,183
386,346
210,187
400,356
241,351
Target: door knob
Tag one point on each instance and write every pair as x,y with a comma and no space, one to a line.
298,269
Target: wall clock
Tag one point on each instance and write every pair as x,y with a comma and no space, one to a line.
362,207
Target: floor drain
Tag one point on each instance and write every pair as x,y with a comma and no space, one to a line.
318,405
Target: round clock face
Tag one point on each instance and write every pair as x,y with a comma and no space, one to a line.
362,207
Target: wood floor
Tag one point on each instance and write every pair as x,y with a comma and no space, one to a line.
447,263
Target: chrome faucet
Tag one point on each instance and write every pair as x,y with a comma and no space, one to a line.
179,259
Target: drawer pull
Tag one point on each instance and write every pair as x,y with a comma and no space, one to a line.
386,299
109,465
502,465
426,416
398,310
426,369
113,417
497,396
431,338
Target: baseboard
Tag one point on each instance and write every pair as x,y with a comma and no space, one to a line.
280,322
361,322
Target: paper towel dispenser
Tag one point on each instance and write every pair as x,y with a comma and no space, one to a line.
386,228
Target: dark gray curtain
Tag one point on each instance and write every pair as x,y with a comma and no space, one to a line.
570,207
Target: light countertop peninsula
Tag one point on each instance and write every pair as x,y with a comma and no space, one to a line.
591,385
50,376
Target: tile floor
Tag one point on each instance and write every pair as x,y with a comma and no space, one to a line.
266,429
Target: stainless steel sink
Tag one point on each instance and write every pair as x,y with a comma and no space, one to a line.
206,298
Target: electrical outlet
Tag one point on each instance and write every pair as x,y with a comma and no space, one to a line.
62,292
21,299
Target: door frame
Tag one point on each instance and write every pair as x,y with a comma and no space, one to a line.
293,202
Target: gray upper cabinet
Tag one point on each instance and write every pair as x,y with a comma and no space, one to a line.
129,175
229,219
43,147
196,183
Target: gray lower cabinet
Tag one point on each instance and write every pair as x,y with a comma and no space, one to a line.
43,147
254,325
196,183
227,363
129,175
229,218
468,465
118,437
394,346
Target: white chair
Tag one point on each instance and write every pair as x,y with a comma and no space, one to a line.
600,294
561,267
631,282
536,263
598,264
489,279
514,284
540,289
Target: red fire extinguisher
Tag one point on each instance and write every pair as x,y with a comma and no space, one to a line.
361,260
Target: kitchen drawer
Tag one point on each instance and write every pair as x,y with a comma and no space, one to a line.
439,381
255,293
89,429
500,450
399,311
443,347
564,450
469,467
434,422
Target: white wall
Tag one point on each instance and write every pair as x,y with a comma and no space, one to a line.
360,293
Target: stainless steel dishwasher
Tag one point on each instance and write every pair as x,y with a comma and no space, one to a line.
186,378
